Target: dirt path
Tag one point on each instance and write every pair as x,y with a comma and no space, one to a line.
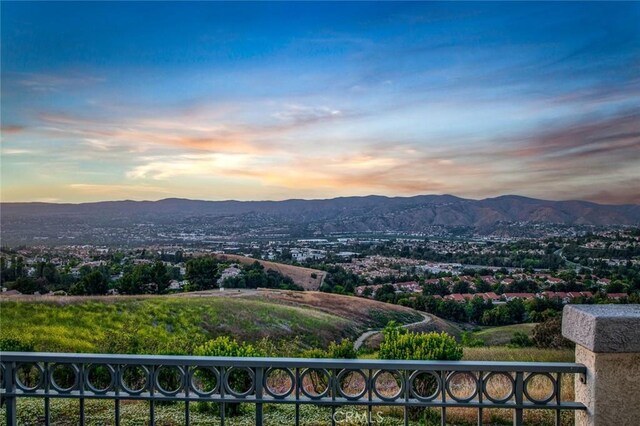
364,336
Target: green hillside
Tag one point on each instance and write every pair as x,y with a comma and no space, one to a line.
173,324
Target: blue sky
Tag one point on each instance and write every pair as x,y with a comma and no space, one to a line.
313,100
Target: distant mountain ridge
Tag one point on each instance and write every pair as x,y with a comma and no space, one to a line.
368,213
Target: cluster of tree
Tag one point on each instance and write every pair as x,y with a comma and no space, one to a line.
339,280
476,310
484,312
203,273
47,277
255,276
147,278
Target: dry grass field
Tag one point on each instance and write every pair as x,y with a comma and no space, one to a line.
358,309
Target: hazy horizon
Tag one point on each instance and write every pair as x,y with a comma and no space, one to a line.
305,199
276,101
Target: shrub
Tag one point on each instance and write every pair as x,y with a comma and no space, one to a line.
399,343
239,379
10,344
520,340
467,339
342,350
548,335
226,346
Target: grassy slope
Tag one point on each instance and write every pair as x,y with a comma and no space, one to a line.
494,336
369,313
166,324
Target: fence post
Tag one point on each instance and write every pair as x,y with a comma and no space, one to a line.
259,379
10,401
607,339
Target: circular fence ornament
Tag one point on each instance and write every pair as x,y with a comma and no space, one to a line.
96,378
134,379
424,385
462,386
29,376
500,383
60,377
534,380
204,381
388,385
239,376
315,382
275,382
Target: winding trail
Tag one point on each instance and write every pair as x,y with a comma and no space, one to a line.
426,319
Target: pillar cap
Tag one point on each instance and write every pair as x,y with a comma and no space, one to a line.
603,328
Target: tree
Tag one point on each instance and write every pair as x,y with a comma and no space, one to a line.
386,293
476,308
461,287
27,285
202,273
161,277
93,283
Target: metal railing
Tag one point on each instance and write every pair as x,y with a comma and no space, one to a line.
324,382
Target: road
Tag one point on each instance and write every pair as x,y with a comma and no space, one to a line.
567,262
426,319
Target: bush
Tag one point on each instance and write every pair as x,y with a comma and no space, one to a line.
548,335
520,340
239,379
399,343
342,350
9,344
469,341
226,346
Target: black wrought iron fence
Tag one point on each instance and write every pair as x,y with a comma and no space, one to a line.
516,386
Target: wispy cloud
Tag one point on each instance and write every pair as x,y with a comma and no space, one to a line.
53,82
11,129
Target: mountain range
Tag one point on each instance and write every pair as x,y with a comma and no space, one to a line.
346,214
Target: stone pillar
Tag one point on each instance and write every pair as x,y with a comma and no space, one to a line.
607,339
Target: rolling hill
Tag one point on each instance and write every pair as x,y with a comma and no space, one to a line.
167,220
170,324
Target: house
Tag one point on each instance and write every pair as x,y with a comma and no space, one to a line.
409,287
231,272
455,297
491,296
523,296
617,296
489,279
374,288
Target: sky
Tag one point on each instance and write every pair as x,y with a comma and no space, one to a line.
256,101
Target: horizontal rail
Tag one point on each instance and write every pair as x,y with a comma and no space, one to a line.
485,366
298,381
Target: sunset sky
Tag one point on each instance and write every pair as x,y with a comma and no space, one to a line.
255,101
